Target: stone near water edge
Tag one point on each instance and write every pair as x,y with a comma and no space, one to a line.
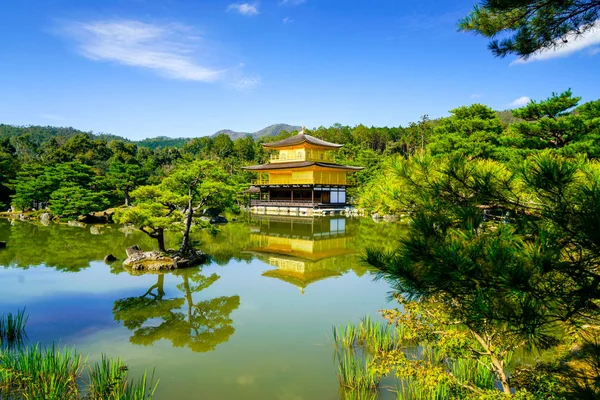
2,245
76,223
133,250
109,259
45,218
96,230
390,218
155,260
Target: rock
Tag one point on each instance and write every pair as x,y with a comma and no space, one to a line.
96,230
45,218
92,219
219,219
376,217
234,219
76,223
2,245
109,259
127,229
390,218
155,260
23,217
133,250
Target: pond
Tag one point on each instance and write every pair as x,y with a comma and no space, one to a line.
254,323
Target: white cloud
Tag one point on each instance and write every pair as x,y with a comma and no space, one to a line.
245,83
574,43
520,102
243,8
169,49
287,20
291,2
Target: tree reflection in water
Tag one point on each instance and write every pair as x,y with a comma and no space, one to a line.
200,326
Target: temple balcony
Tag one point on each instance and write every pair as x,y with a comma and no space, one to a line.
303,155
319,179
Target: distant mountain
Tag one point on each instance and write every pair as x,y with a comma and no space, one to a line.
272,130
41,134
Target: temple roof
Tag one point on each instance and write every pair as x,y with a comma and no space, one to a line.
302,138
300,164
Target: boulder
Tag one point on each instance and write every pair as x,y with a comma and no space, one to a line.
127,229
23,217
2,245
219,219
45,218
390,218
76,223
155,260
96,230
109,259
376,217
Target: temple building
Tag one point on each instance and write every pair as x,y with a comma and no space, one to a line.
302,179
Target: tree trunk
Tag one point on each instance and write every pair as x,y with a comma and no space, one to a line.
501,374
160,236
126,193
185,242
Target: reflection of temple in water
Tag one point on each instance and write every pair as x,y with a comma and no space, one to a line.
302,250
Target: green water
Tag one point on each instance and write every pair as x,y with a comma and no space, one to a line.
254,323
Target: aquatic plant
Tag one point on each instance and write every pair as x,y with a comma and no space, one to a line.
108,381
345,337
33,373
12,328
58,374
354,372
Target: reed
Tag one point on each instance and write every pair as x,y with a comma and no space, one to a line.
57,374
375,336
12,327
411,389
354,373
108,381
345,337
33,373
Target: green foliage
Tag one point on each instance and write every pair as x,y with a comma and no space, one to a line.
12,328
528,26
71,201
36,373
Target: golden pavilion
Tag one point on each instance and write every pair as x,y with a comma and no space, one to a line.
302,178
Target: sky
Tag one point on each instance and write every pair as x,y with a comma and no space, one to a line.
187,68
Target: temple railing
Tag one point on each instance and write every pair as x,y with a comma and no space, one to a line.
284,203
308,155
324,180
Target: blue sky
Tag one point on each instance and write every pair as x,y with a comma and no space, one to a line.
143,68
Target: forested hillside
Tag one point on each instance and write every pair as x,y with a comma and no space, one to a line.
40,164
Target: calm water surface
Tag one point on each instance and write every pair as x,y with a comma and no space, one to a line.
254,323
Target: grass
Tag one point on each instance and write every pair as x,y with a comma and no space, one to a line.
354,373
369,335
33,373
58,374
410,389
12,328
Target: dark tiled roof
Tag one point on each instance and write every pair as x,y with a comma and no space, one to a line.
302,138
300,164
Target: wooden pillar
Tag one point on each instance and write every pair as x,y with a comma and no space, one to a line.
312,192
292,190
